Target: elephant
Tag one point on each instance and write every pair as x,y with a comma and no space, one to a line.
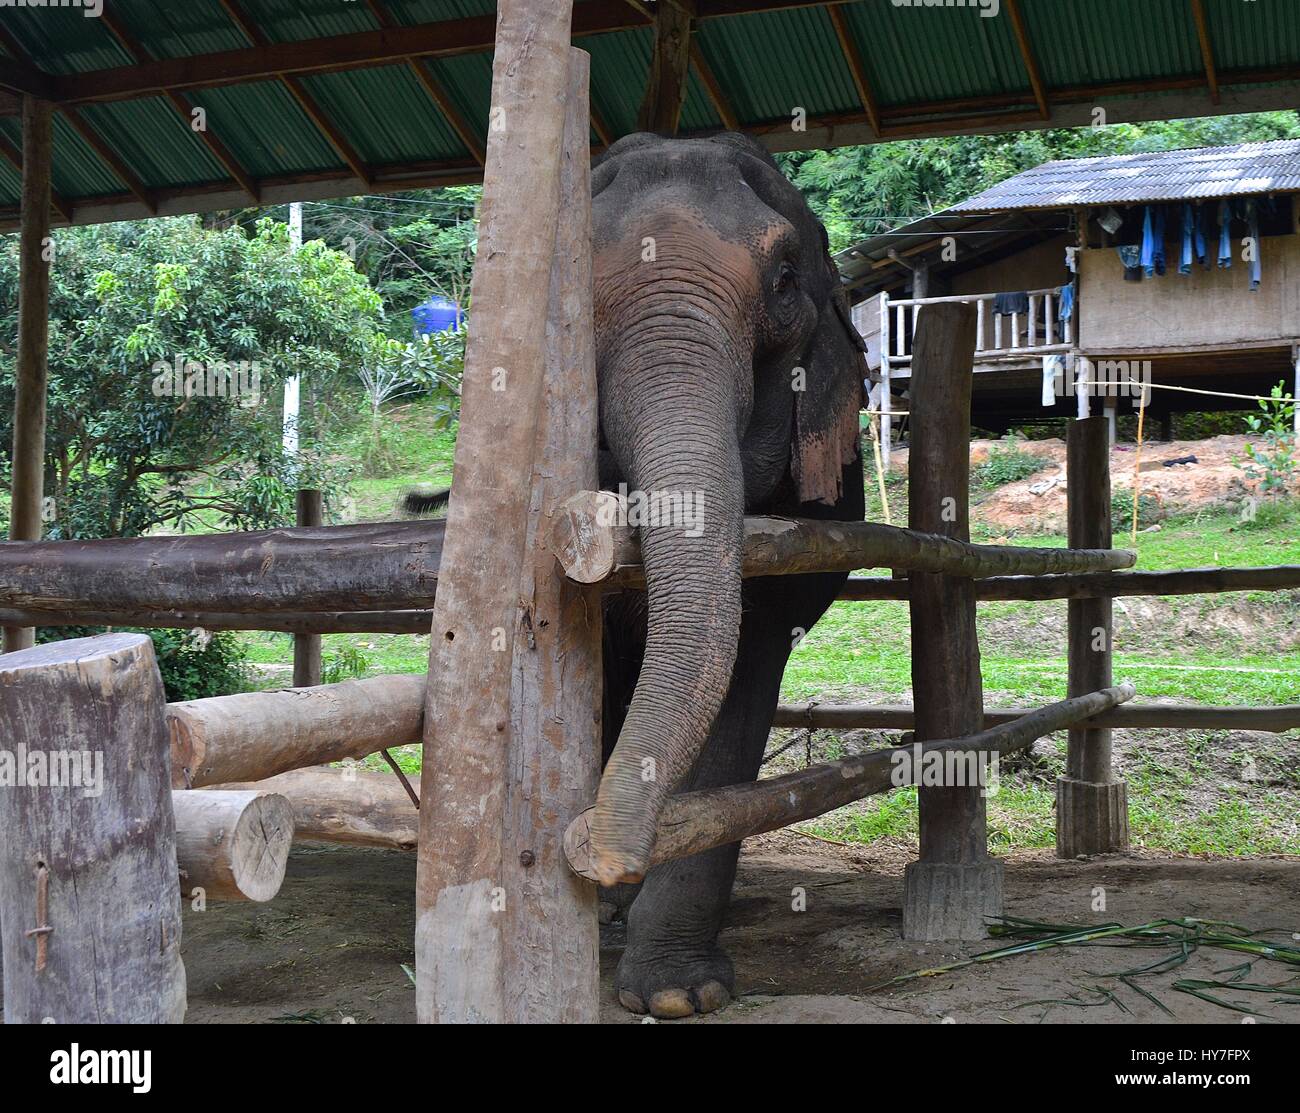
730,374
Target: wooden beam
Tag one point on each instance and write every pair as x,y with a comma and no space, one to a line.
1099,585
466,952
293,570
1091,804
25,79
434,88
183,107
255,735
286,622
601,128
721,105
31,371
693,822
232,845
1029,57
331,54
309,510
344,806
248,26
111,159
954,886
1133,716
91,924
670,63
1207,50
14,157
592,547
857,67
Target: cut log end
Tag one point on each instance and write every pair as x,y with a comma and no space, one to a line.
583,537
232,845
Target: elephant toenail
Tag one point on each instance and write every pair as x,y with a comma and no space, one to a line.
671,1004
631,1002
711,996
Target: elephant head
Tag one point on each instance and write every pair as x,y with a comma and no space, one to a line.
729,373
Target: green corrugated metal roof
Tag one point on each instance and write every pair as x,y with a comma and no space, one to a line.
927,67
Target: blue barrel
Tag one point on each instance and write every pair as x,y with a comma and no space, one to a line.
436,315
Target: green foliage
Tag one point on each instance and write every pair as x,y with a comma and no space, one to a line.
128,300
1121,511
193,664
408,245
1007,463
345,662
1273,466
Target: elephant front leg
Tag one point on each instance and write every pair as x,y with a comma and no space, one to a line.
673,966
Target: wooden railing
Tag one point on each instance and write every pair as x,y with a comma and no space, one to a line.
1034,333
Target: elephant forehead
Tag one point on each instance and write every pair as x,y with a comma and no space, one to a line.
667,241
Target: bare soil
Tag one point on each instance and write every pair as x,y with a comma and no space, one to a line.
332,945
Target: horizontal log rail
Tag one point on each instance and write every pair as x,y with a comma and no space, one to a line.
693,822
1132,716
592,547
390,565
255,735
1096,585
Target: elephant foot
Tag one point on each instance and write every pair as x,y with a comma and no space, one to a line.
675,986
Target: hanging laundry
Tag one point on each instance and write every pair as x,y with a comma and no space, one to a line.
1131,257
1153,241
1256,246
1068,294
1194,246
1225,235
1053,379
1005,305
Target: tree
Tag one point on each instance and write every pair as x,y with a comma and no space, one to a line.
168,344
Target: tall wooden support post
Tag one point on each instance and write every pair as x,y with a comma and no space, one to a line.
509,757
955,885
89,891
1091,806
310,507
28,478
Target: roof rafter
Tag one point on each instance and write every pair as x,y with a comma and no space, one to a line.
1207,50
301,94
1030,59
434,88
853,57
89,135
184,108
14,157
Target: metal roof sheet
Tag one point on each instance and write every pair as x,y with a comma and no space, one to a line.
931,69
1238,171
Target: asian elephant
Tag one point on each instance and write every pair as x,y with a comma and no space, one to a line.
730,377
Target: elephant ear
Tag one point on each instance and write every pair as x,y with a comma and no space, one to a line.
826,435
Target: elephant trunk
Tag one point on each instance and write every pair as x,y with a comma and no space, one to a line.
674,412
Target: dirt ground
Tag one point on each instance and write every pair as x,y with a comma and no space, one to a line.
1213,480
334,943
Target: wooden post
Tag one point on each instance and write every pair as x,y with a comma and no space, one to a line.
492,919
1091,806
1295,391
670,64
886,387
28,478
89,895
955,884
310,511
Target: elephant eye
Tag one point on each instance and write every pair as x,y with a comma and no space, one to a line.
787,278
